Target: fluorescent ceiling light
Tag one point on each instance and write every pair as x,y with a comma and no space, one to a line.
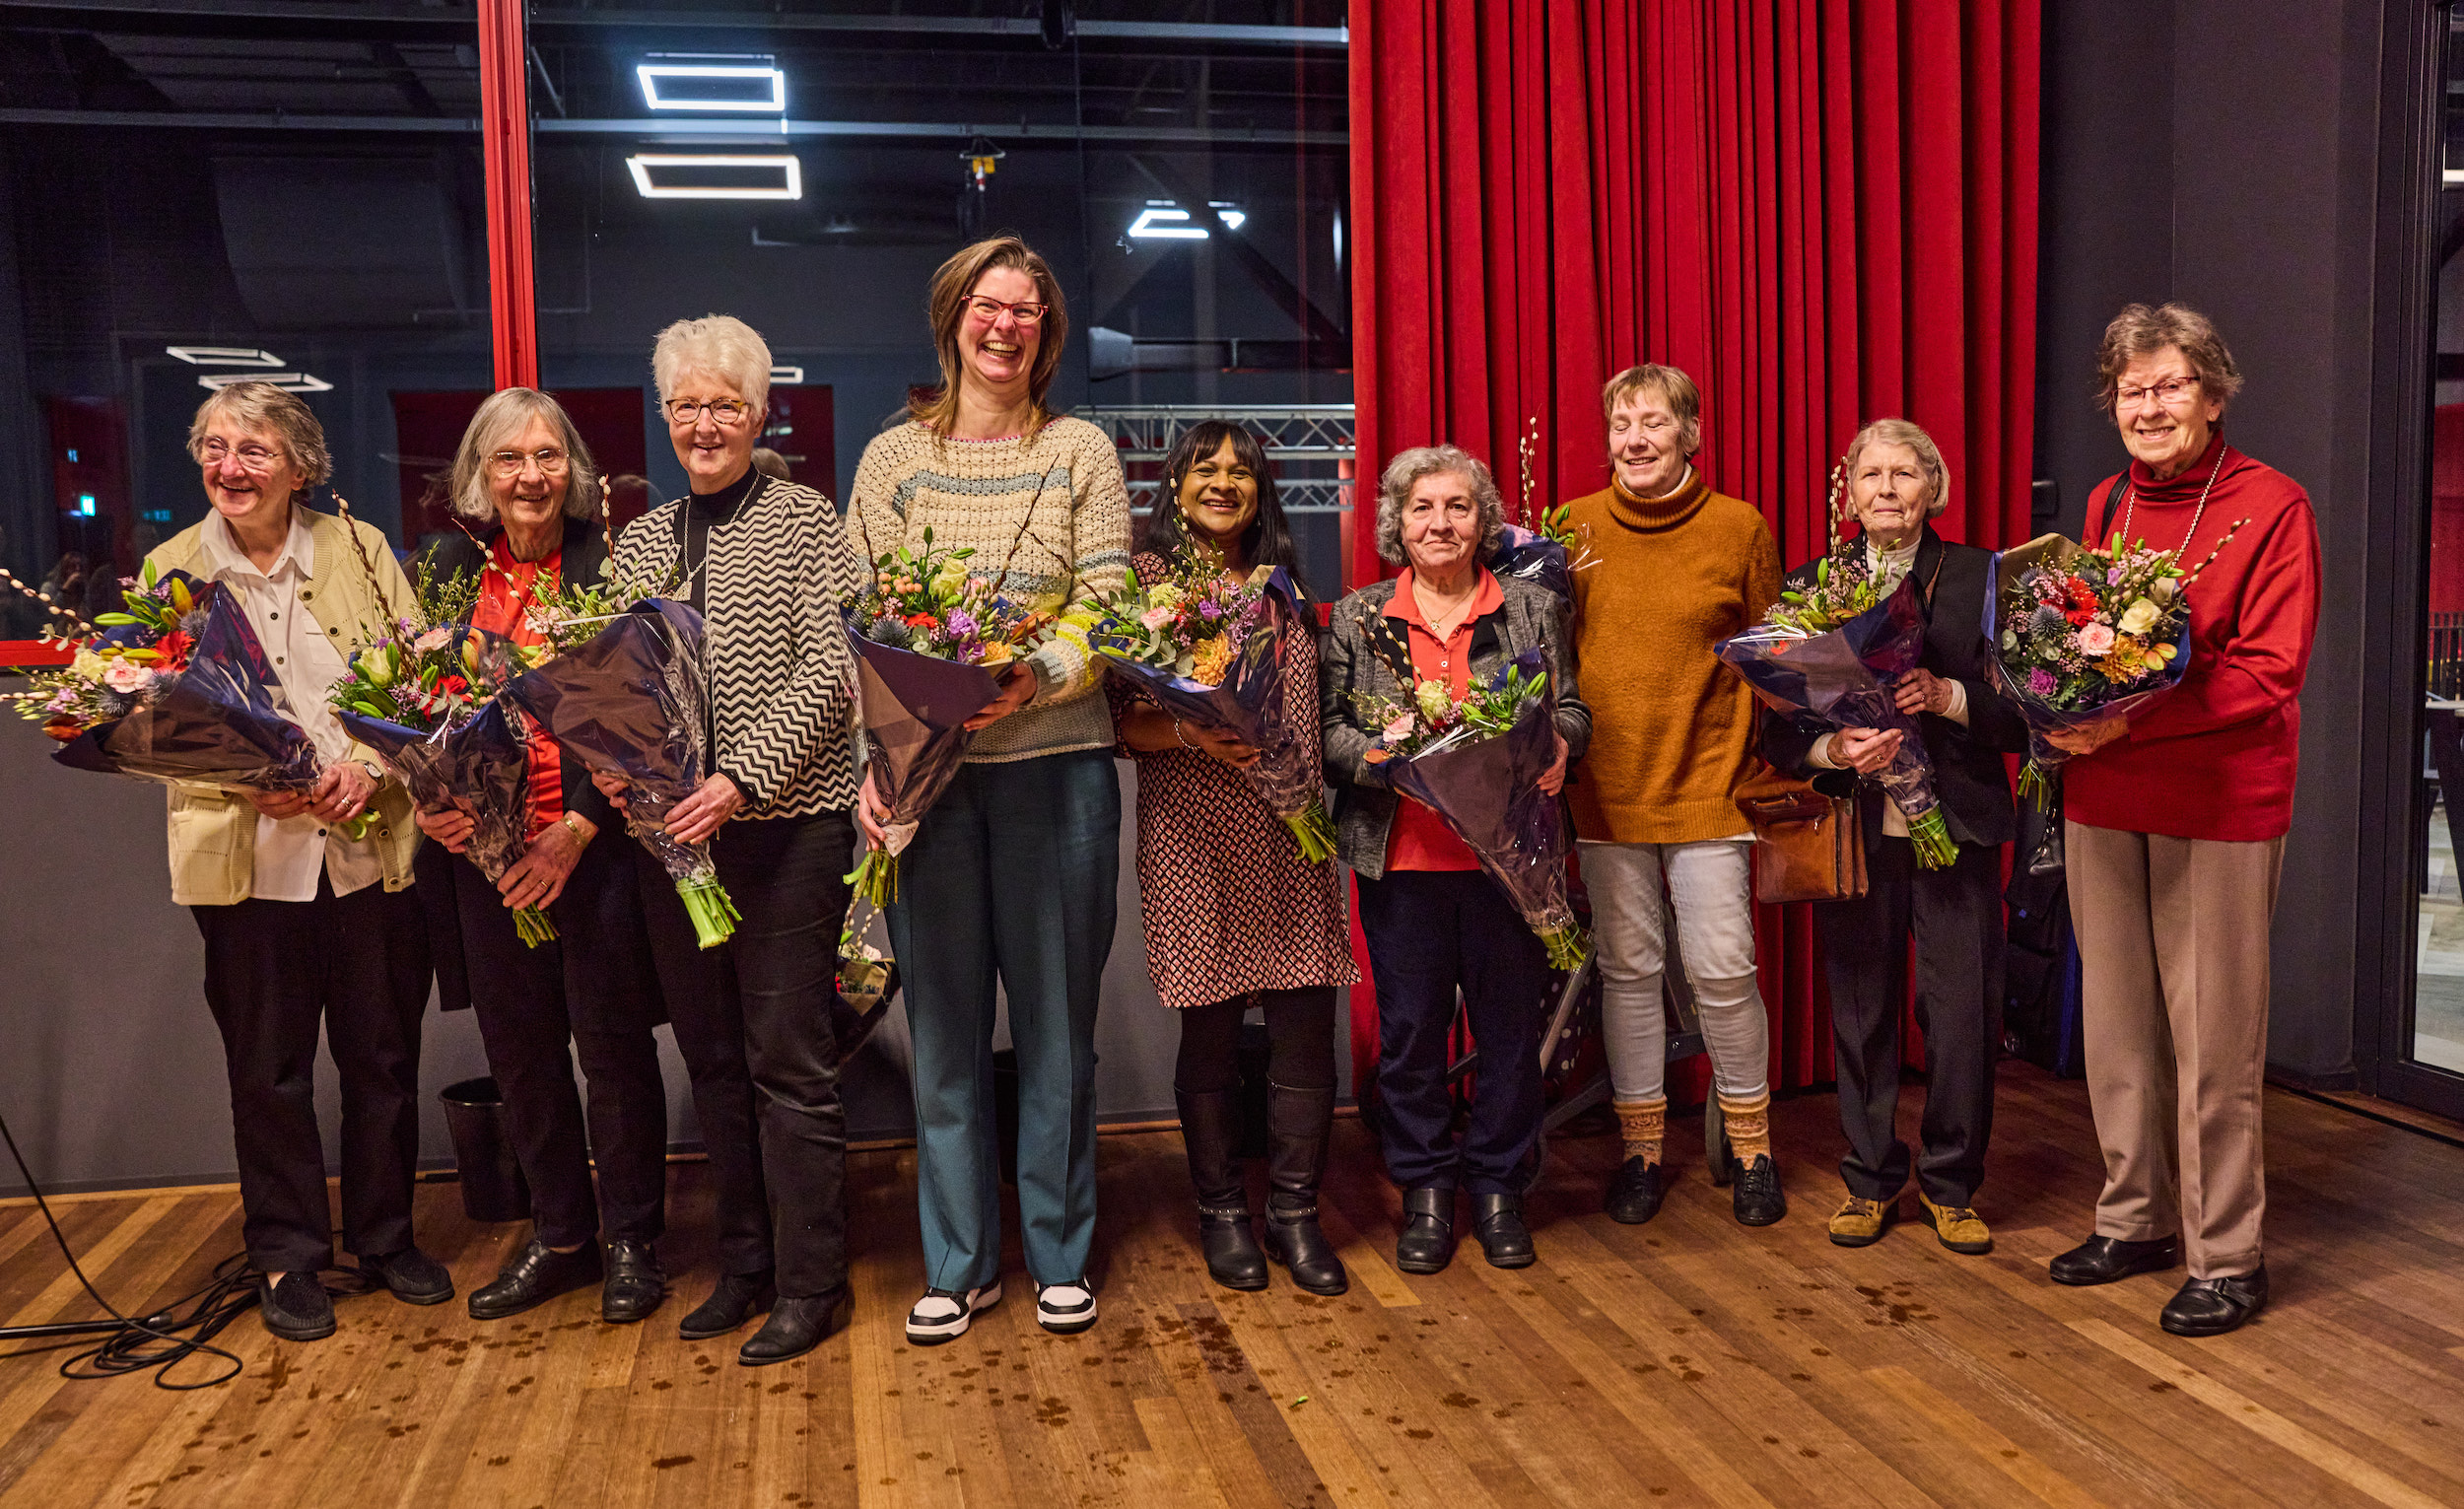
288,381
791,375
223,355
681,182
1163,220
756,89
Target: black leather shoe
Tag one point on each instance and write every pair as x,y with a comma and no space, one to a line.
1754,1194
1233,1257
796,1326
2211,1307
537,1274
1635,1192
1497,1221
634,1285
2102,1259
295,1309
733,1302
1295,1239
411,1276
1427,1241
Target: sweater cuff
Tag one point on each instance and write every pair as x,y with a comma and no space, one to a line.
1958,711
1820,756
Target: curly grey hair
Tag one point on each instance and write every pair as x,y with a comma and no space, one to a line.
721,345
1408,468
503,416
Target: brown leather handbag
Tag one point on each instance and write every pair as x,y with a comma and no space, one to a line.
1810,847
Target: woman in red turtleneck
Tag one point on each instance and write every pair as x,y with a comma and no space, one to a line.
2176,833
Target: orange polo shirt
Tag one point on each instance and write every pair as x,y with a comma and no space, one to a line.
1420,839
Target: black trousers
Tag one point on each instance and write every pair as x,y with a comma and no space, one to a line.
1431,933
1300,1041
593,983
273,971
1955,917
752,1021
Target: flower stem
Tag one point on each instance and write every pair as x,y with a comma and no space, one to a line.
875,877
1934,848
2038,782
713,912
532,927
1568,946
1313,832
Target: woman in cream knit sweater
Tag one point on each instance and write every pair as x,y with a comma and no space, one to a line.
1011,876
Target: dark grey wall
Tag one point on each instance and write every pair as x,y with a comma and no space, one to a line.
2226,154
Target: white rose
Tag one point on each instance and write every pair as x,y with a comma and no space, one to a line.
2139,616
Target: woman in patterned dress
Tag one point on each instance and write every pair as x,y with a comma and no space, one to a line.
1234,915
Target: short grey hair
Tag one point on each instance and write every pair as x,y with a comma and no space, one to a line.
2140,331
721,345
503,416
1406,471
1899,432
267,409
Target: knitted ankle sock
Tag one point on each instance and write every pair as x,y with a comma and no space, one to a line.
1749,1124
1642,1123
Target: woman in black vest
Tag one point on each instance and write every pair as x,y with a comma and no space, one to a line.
1896,482
526,497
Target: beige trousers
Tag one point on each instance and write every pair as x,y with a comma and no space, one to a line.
2172,948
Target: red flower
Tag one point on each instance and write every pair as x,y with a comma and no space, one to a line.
173,647
454,686
922,621
2081,600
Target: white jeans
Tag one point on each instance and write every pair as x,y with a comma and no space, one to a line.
1712,889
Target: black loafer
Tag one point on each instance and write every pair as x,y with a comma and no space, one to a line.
2211,1307
411,1276
797,1325
1428,1241
737,1299
1497,1221
634,1283
1756,1196
295,1309
1634,1195
2102,1259
537,1274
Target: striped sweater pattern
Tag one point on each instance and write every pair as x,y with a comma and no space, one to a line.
782,676
1063,484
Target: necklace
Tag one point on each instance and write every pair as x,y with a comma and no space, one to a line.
1457,607
2130,500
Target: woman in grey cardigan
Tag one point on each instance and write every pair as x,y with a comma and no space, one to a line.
1434,924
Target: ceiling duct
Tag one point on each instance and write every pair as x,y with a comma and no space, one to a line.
343,242
1116,353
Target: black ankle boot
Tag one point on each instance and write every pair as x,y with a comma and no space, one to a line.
1210,1130
1298,1125
1428,1241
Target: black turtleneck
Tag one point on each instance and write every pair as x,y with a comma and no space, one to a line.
701,514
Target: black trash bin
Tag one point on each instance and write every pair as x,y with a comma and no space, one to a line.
492,1187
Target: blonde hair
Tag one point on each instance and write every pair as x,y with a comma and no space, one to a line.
1894,432
946,305
1675,389
721,345
263,407
2140,331
501,417
1403,472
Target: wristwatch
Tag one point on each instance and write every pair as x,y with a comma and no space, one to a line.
376,771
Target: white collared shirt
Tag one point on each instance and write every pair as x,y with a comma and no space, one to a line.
1886,568
291,853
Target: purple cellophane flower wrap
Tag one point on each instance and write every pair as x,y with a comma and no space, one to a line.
1530,556
482,761
914,709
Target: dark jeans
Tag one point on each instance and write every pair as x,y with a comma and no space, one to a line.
273,970
1430,933
752,1021
1300,1041
588,984
1956,914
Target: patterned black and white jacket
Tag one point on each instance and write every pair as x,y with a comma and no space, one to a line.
783,679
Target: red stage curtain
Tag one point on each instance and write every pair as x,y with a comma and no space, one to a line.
1825,212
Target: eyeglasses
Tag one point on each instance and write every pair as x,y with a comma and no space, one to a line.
2169,392
509,463
1025,311
214,450
688,411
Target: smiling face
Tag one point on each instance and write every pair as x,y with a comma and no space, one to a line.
1440,524
999,350
1888,487
2164,411
1219,497
530,498
1647,443
249,478
714,454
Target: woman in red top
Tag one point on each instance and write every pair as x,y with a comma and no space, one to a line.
2176,833
526,496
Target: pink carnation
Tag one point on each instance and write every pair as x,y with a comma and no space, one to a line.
2095,639
1155,618
126,677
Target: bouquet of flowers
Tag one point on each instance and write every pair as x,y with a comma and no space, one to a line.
176,688
2081,634
1829,652
1476,762
424,697
1209,648
930,638
628,693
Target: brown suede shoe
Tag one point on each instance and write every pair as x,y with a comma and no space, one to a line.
1861,1222
1958,1227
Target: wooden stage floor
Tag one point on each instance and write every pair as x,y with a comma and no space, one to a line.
1687,1362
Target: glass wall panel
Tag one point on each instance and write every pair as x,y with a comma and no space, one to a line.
2437,1030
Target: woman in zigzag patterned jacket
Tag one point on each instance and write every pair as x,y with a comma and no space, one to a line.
769,566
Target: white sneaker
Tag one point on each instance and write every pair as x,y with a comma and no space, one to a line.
944,1315
1064,1309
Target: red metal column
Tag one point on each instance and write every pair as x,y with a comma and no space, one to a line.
505,125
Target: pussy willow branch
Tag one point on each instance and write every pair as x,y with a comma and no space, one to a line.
359,547
2193,580
83,629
